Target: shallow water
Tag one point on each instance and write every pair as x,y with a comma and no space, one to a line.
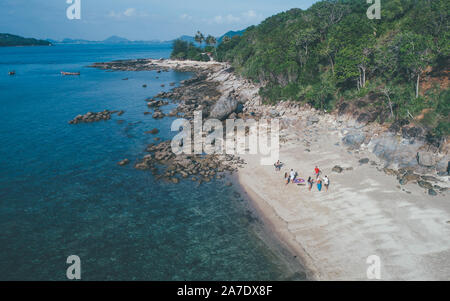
62,192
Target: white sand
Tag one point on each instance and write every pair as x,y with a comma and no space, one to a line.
363,214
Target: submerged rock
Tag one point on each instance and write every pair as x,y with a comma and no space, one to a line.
158,115
92,117
124,162
153,132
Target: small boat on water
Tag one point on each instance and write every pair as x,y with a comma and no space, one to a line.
70,73
12,72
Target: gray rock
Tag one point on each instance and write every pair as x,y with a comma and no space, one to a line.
425,159
223,108
395,152
443,165
153,132
312,120
274,113
425,185
364,161
337,169
232,116
409,177
354,140
432,192
429,178
124,162
158,115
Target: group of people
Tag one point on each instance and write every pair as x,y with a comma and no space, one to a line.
291,177
321,182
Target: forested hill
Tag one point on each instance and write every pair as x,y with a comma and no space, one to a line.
332,55
13,40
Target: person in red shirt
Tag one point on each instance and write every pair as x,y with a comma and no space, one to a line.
317,171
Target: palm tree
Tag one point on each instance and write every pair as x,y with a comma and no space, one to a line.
199,38
211,41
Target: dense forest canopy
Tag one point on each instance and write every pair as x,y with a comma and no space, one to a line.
13,40
333,53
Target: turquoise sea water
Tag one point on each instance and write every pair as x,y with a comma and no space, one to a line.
62,192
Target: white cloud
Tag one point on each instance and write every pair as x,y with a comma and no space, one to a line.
128,13
226,19
186,17
248,16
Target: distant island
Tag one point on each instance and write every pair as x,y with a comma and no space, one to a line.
110,40
13,40
120,40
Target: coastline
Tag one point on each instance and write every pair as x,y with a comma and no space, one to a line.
365,212
276,229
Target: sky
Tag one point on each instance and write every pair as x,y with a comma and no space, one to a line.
136,19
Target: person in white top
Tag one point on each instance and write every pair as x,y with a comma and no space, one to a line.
292,174
326,182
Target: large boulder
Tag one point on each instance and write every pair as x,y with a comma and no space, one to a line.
223,108
274,113
312,120
394,150
411,132
354,140
337,169
443,165
426,159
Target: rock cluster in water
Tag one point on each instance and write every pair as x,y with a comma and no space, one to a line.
164,164
95,117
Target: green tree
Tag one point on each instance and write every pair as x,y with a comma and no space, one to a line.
226,39
199,38
303,41
415,55
211,41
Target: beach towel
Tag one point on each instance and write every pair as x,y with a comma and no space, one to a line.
299,181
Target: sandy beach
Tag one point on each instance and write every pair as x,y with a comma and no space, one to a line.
364,213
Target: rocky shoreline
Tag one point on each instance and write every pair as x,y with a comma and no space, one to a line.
218,93
194,95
